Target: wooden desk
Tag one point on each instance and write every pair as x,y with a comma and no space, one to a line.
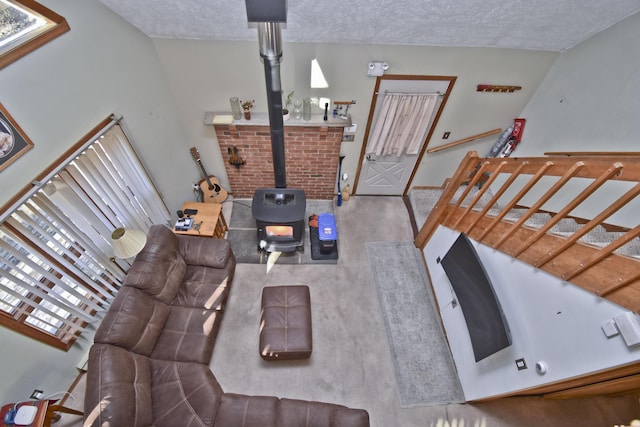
210,218
44,415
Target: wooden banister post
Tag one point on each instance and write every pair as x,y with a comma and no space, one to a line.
467,164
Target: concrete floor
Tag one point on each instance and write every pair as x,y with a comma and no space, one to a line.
351,363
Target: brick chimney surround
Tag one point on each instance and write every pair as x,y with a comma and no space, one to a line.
312,151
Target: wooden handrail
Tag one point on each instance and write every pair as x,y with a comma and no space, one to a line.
474,180
592,153
512,182
439,210
497,196
463,141
479,194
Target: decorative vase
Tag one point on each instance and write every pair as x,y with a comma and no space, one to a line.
236,111
297,109
247,114
306,109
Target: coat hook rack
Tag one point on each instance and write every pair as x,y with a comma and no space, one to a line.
341,108
497,88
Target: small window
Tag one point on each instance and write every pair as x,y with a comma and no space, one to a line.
25,25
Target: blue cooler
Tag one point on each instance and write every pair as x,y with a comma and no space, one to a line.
327,232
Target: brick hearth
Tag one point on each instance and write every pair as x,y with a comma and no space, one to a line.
312,155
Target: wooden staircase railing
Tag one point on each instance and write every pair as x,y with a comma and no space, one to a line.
511,183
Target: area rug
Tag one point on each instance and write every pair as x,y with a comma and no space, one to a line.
424,369
242,235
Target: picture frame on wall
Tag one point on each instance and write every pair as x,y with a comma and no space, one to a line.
13,141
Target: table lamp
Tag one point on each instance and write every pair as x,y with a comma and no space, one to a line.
127,243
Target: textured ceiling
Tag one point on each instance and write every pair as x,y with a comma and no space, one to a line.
524,24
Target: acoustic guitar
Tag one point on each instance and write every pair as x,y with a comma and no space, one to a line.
211,189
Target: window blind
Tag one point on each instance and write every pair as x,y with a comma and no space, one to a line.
58,272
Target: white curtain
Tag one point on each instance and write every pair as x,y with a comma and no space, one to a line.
402,124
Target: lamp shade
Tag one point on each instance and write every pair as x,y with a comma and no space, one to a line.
127,243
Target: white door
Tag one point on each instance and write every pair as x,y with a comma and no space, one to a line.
385,175
389,175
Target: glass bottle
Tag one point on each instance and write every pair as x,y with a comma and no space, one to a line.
297,109
306,109
236,111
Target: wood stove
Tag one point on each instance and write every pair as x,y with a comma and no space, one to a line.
279,215
279,212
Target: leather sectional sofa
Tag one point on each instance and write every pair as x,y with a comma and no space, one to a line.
148,365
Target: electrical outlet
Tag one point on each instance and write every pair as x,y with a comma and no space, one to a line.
37,394
446,135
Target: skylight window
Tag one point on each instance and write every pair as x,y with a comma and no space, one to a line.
17,22
317,76
25,25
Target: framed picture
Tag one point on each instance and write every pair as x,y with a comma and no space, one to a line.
13,141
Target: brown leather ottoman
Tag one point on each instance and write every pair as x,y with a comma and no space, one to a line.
285,323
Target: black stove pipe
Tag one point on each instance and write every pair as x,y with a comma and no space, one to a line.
270,50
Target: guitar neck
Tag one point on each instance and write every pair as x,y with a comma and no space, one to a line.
204,173
215,187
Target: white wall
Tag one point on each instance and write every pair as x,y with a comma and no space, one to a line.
550,321
204,74
589,99
57,94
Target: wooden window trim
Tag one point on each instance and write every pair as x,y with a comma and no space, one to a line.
61,26
24,329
